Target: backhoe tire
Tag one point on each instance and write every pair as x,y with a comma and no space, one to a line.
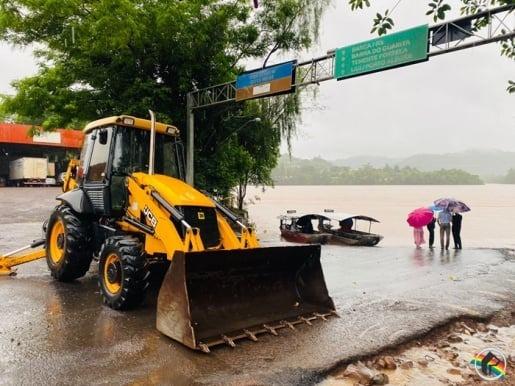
123,275
68,250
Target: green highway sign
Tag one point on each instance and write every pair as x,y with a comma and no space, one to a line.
394,50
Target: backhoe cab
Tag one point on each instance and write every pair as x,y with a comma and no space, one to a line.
126,204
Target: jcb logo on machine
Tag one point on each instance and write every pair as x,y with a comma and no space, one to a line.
201,215
150,216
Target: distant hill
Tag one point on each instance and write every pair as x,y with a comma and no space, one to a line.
360,160
485,163
296,171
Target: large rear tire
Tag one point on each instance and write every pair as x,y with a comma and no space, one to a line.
68,251
123,275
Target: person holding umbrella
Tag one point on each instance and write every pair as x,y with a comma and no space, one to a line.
418,236
432,225
445,217
418,219
431,229
444,221
456,229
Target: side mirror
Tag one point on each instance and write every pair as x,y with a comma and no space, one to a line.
102,139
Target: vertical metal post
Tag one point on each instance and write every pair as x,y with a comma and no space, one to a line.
152,149
190,139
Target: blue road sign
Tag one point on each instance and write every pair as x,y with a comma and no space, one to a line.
273,80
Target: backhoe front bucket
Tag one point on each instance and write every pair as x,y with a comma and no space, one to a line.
219,296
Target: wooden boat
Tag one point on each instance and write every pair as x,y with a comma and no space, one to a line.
349,232
299,229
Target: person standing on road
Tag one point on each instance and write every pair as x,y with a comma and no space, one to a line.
444,220
418,235
431,230
456,229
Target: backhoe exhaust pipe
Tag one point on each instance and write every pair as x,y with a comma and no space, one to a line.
152,142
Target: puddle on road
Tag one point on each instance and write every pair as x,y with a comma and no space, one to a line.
444,362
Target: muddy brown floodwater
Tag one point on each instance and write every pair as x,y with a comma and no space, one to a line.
489,224
60,333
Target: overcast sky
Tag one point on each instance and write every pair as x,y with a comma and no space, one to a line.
451,103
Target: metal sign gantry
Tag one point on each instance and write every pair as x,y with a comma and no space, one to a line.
490,26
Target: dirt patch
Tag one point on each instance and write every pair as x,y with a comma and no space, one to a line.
442,357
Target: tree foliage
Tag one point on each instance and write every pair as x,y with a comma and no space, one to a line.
510,177
320,172
437,10
382,23
107,57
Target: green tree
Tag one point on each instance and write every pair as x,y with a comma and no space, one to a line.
107,57
293,171
510,177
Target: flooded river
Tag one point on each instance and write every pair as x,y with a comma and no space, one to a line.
491,223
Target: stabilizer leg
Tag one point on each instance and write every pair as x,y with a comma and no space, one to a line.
12,259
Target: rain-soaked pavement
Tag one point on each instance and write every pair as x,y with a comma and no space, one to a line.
55,333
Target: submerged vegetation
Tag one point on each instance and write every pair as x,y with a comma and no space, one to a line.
317,171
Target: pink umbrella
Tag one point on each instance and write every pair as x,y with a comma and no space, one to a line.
420,217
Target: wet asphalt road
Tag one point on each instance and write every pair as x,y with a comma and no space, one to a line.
55,333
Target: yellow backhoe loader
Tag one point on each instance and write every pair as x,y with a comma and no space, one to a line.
125,203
